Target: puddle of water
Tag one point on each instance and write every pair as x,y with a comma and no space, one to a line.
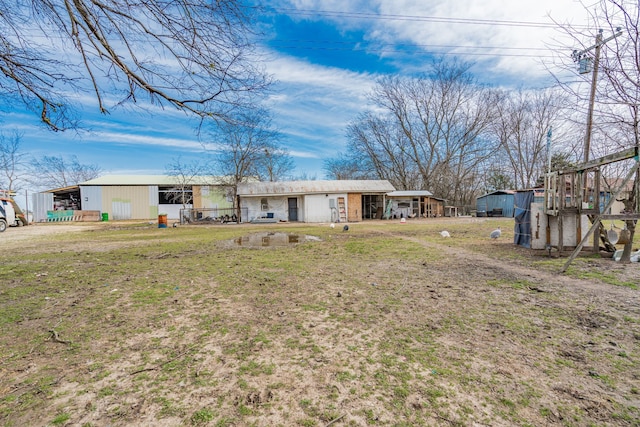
263,240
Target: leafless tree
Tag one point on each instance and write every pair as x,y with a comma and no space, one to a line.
348,166
524,118
12,161
496,179
431,131
383,148
304,176
276,164
186,175
621,68
194,55
560,160
248,147
57,172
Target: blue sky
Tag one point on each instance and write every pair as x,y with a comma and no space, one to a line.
325,57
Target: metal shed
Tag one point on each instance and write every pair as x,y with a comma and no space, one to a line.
498,203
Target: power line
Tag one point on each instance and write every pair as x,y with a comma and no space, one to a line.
513,55
408,45
417,18
426,49
328,45
497,54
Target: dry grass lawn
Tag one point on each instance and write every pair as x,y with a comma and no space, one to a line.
387,324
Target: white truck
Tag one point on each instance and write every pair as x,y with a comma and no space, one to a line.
7,214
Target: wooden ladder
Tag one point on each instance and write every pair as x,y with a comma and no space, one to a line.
342,212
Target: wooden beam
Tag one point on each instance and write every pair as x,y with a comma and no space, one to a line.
621,217
611,158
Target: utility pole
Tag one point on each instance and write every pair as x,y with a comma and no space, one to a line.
584,62
592,97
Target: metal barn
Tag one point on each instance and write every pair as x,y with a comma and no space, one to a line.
123,197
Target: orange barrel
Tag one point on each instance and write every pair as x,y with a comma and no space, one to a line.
162,221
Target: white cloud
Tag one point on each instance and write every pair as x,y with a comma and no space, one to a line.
527,44
294,71
123,138
314,104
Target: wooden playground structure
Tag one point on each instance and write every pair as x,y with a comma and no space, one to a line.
577,192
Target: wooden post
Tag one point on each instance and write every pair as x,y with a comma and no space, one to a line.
579,199
596,205
560,234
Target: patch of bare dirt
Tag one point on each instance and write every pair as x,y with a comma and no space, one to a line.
35,231
464,338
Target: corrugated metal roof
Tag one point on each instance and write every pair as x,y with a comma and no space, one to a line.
310,187
149,180
410,193
62,189
498,192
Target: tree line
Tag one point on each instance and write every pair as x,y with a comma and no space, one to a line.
443,131
447,133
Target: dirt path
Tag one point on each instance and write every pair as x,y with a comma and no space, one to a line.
626,299
16,234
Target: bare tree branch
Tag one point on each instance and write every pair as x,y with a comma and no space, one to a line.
432,134
12,161
57,172
616,112
194,55
248,147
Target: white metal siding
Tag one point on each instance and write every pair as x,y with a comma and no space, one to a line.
311,208
154,201
252,207
42,202
276,205
154,198
317,207
173,210
91,198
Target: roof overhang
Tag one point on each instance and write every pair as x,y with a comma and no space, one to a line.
294,188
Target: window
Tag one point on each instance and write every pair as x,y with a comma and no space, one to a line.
264,204
175,195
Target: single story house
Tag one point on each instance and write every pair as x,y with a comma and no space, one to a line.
122,197
313,201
